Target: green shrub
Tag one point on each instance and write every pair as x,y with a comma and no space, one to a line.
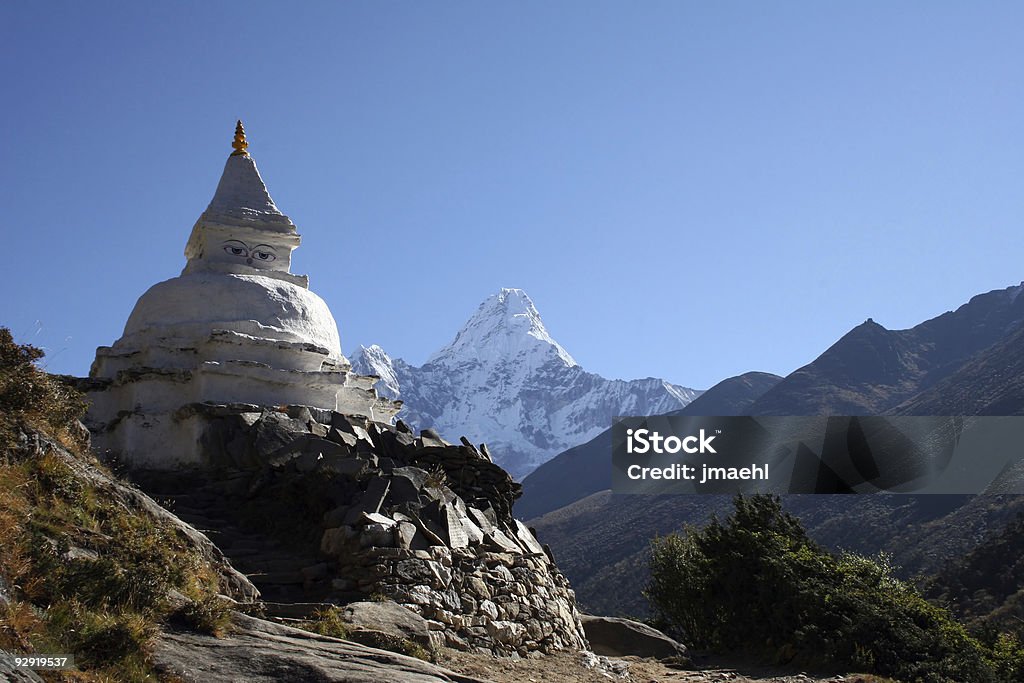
1008,657
756,583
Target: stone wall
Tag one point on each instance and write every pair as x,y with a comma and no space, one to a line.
374,510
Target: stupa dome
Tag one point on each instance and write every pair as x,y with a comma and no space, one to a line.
193,306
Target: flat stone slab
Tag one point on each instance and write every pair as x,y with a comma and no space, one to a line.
258,651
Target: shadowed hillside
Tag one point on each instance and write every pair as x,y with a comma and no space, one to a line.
871,370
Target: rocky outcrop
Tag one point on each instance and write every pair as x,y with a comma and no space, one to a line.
255,651
617,637
360,508
393,619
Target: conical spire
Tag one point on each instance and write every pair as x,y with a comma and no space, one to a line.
242,211
240,145
241,194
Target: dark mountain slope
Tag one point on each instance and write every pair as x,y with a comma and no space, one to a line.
870,369
586,469
986,583
992,383
732,396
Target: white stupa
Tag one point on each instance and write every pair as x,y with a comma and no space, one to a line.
235,327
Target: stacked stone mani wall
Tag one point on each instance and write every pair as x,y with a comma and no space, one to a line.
410,518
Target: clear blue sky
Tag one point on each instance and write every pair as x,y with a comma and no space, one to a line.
686,189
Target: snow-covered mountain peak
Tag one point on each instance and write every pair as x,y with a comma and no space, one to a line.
506,326
373,360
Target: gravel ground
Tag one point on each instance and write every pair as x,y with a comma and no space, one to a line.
576,667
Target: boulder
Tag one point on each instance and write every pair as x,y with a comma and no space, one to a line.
389,617
617,637
406,483
274,431
430,439
395,445
508,632
346,438
305,450
346,466
502,542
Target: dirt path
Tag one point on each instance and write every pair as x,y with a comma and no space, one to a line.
575,667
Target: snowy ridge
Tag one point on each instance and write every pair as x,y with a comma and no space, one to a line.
505,381
505,325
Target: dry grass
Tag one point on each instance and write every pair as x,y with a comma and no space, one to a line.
84,573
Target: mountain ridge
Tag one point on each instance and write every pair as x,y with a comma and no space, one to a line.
871,369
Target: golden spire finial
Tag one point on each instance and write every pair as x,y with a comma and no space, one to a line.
239,143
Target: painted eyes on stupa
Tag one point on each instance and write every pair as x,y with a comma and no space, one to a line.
261,252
